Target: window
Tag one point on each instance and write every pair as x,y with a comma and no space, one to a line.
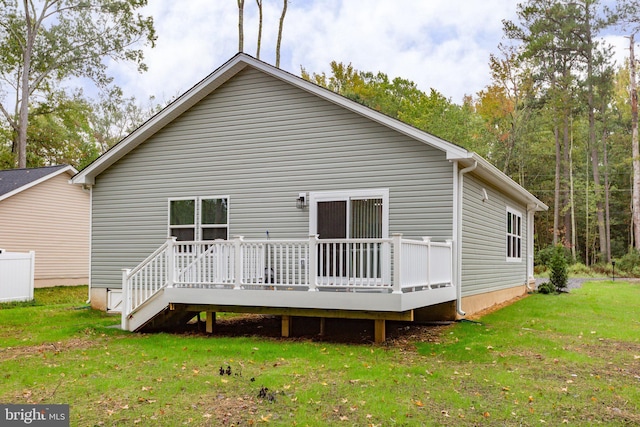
199,218
514,235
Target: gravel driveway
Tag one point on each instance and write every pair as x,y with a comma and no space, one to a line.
574,283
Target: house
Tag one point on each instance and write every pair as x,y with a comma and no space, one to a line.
283,197
41,212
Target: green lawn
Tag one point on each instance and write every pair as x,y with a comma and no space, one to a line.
546,360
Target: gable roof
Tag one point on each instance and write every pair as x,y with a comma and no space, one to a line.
241,61
14,181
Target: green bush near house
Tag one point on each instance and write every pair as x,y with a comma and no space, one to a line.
558,269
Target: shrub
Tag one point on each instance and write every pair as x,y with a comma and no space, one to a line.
546,288
580,270
628,264
558,266
543,257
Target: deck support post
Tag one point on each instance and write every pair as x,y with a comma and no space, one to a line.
286,326
379,331
427,240
313,262
397,263
126,299
170,261
237,246
322,326
211,320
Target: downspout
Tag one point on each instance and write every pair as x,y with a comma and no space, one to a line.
459,236
90,189
530,212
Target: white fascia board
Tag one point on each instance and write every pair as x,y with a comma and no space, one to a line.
160,120
224,73
69,169
452,150
495,176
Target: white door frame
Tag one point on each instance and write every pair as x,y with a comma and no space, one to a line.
346,195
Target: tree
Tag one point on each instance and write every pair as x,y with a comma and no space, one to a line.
60,132
627,14
114,116
401,99
280,26
44,42
635,147
240,25
259,3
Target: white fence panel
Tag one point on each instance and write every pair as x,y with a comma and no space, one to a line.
16,276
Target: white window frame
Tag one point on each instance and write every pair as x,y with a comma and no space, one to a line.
347,195
197,226
514,235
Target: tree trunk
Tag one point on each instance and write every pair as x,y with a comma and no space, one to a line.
634,146
556,197
571,196
279,43
240,25
25,88
607,217
566,178
259,3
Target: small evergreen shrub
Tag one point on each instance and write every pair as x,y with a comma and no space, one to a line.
558,269
546,288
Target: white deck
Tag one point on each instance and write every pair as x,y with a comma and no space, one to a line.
376,275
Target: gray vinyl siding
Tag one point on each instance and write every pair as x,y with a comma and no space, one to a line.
484,254
261,141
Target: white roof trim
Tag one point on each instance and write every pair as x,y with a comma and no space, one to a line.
495,176
241,61
220,76
69,169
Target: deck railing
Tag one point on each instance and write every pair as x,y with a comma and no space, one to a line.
384,265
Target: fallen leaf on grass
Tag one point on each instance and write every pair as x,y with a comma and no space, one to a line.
418,403
266,419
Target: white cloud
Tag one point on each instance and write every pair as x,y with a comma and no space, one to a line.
443,45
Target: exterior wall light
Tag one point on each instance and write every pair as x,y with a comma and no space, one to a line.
301,201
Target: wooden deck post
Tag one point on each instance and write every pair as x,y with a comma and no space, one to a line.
379,331
286,326
322,326
211,320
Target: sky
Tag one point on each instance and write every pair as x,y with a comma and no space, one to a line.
439,44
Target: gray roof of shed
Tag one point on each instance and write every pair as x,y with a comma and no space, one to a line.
13,181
